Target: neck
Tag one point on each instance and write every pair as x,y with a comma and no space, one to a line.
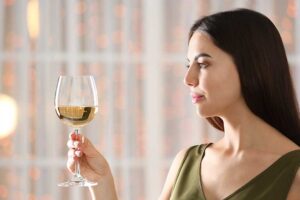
243,129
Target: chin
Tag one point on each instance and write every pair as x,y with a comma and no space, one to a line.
203,114
206,111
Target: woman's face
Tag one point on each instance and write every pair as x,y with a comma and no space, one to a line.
211,76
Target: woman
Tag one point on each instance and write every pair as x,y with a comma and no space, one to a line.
240,82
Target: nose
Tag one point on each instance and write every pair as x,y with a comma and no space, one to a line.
191,77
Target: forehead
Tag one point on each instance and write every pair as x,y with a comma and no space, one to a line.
201,42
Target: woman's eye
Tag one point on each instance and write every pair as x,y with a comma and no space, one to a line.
203,65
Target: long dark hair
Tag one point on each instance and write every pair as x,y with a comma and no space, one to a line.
258,53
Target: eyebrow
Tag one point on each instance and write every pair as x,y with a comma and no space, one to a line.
201,55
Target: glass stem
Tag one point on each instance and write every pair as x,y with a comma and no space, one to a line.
77,165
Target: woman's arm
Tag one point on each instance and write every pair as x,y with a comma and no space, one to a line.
104,190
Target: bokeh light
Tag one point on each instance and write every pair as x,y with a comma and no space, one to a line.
8,115
33,16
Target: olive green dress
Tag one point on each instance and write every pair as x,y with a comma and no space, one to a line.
273,183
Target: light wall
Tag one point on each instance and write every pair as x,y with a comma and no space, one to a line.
137,52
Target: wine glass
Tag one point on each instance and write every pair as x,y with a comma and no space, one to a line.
76,103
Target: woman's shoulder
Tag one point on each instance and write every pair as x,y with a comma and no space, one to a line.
183,153
188,154
194,149
175,168
291,151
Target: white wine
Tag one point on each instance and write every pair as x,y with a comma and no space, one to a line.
76,116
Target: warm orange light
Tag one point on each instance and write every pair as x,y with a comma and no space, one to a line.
8,115
33,18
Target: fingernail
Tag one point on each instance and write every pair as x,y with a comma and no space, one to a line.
71,135
76,144
78,153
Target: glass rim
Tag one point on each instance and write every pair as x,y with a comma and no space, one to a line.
63,76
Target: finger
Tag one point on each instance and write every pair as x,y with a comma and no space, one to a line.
71,165
73,144
78,153
87,147
74,136
70,144
71,153
79,137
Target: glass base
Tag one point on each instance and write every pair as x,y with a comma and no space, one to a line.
77,181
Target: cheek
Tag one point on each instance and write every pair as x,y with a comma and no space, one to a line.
210,83
221,90
227,87
206,82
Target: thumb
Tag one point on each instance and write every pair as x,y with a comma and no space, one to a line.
88,148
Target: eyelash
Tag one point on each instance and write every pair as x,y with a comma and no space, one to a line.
201,65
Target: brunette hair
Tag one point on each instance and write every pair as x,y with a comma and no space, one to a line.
258,53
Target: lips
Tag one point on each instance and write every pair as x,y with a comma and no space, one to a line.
196,97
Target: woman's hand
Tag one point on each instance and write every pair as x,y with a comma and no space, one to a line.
93,165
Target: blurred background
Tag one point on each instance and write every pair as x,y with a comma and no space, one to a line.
137,52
